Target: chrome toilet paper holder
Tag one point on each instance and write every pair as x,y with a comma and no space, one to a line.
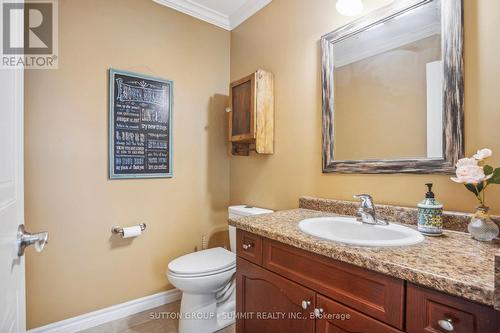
119,230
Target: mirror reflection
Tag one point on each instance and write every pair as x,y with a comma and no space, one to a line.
388,89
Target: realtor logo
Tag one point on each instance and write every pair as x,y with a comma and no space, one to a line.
29,34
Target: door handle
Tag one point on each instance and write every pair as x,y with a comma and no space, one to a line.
247,246
446,324
318,312
26,239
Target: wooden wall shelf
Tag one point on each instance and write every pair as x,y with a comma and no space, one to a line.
251,114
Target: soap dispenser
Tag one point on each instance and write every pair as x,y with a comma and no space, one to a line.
430,214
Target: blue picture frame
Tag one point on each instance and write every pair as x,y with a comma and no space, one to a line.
140,94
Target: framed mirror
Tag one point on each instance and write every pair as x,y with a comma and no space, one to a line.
393,90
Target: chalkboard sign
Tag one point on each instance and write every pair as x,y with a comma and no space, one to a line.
140,126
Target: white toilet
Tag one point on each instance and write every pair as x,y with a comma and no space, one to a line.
206,279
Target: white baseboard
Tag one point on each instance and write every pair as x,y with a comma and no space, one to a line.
99,317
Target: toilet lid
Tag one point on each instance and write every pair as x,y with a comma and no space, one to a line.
205,261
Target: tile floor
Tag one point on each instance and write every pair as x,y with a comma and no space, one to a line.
143,323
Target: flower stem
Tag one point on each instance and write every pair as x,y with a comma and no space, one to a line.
478,196
484,194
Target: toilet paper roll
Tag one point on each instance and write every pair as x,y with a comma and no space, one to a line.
132,231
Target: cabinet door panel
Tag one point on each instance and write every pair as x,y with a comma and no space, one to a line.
242,125
337,318
426,308
268,303
249,246
241,108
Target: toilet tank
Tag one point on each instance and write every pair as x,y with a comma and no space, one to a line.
239,211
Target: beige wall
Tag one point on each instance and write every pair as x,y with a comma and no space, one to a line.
283,38
67,189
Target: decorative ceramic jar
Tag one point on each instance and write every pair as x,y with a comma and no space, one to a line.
481,227
430,214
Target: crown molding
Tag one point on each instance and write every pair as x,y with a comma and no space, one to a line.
244,12
199,11
214,17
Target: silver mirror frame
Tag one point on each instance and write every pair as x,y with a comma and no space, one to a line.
452,26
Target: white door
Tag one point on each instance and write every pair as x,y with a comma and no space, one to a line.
12,294
13,238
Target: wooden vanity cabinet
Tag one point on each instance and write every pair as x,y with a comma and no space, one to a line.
271,303
251,116
313,293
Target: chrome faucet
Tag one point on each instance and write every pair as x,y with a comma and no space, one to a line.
366,211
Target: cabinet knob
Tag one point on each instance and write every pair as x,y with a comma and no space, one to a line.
247,246
305,304
446,324
318,312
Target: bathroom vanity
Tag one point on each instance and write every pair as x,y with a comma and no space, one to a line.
288,281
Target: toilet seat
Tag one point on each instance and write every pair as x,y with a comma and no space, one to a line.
187,276
203,263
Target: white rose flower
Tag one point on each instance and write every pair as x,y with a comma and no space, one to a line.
470,174
482,154
466,161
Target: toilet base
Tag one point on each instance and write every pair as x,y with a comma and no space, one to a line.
200,313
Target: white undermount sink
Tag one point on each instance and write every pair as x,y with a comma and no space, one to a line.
347,230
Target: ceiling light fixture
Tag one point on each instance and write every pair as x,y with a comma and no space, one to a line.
349,7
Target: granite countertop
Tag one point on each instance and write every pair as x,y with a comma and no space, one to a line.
453,263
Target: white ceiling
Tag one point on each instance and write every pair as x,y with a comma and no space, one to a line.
227,14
